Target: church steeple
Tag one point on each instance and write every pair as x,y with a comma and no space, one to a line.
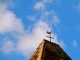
49,51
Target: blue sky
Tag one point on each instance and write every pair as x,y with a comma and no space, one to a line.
23,25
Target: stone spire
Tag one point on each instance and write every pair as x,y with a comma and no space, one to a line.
49,51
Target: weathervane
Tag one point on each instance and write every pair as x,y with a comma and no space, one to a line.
49,35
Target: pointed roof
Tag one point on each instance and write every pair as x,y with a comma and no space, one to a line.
49,51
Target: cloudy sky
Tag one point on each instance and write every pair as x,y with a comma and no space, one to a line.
23,25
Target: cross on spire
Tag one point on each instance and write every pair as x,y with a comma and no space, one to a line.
49,35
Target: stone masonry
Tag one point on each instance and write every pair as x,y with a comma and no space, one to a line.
49,51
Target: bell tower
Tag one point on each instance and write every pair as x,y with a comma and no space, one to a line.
49,51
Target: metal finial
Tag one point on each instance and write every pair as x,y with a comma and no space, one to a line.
49,35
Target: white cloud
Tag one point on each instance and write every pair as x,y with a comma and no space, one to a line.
25,41
8,21
47,1
78,28
55,20
50,17
32,18
77,7
7,47
39,5
74,43
58,1
29,42
45,15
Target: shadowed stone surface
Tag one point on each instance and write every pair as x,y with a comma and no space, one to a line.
49,51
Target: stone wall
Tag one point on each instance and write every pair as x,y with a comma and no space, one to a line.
53,51
38,53
49,51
